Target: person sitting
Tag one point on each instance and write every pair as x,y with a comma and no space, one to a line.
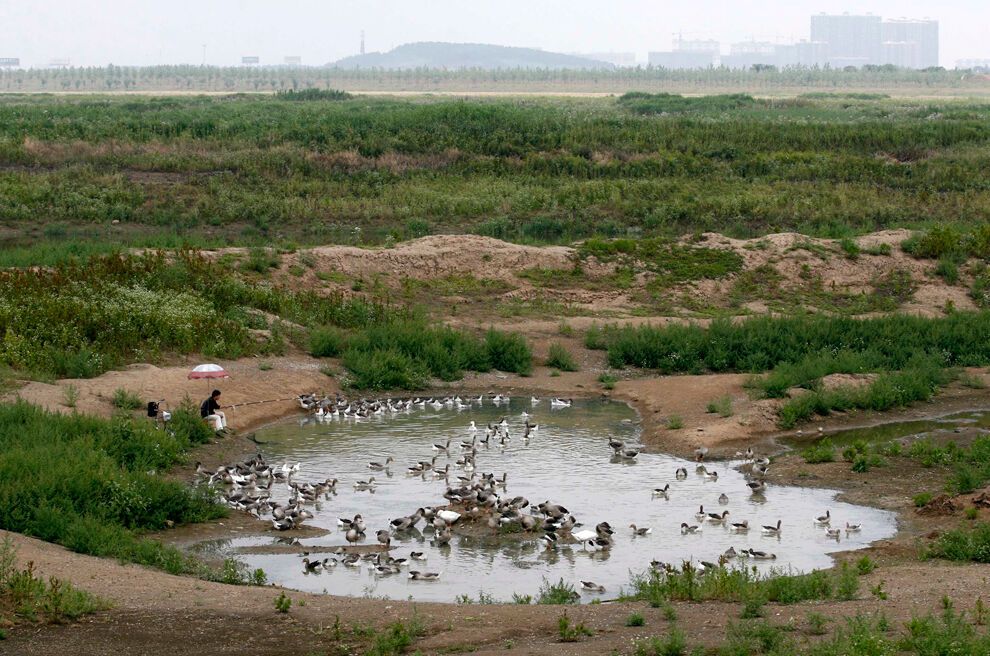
210,411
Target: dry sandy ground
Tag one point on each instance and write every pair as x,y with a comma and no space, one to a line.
275,389
157,613
801,262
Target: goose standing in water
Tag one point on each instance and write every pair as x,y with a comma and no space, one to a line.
739,527
833,533
687,528
311,566
661,491
416,575
824,520
756,487
761,555
640,531
772,530
852,528
723,498
681,473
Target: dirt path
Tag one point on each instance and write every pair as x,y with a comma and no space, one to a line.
156,613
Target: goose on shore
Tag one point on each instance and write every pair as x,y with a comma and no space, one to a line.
772,530
384,537
640,531
353,535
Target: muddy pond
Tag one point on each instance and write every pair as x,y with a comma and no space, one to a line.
568,461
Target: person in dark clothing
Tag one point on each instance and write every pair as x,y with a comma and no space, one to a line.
210,411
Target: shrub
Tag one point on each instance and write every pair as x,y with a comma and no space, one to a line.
673,644
385,370
557,593
850,248
935,243
636,619
608,381
126,400
722,406
675,422
560,358
823,451
327,342
508,352
282,603
922,499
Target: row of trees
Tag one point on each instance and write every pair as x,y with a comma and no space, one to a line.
267,79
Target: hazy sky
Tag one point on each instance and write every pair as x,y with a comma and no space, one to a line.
97,32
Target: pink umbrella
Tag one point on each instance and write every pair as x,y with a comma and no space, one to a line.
208,371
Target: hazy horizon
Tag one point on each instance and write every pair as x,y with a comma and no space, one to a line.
142,33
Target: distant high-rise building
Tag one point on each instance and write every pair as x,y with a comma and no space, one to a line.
903,54
850,40
974,64
924,33
687,54
747,54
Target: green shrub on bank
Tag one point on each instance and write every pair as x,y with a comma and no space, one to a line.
89,483
327,342
687,583
79,319
918,382
559,357
404,354
760,344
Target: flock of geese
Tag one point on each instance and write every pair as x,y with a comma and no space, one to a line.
472,497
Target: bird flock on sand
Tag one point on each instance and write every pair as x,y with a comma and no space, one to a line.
472,496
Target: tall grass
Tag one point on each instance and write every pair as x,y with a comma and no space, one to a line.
738,583
405,353
252,170
89,484
917,382
81,318
760,344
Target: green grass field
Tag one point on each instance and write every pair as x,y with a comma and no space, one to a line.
256,169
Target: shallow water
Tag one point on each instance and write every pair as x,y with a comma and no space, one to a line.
914,429
567,461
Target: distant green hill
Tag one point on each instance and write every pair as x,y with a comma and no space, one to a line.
466,55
